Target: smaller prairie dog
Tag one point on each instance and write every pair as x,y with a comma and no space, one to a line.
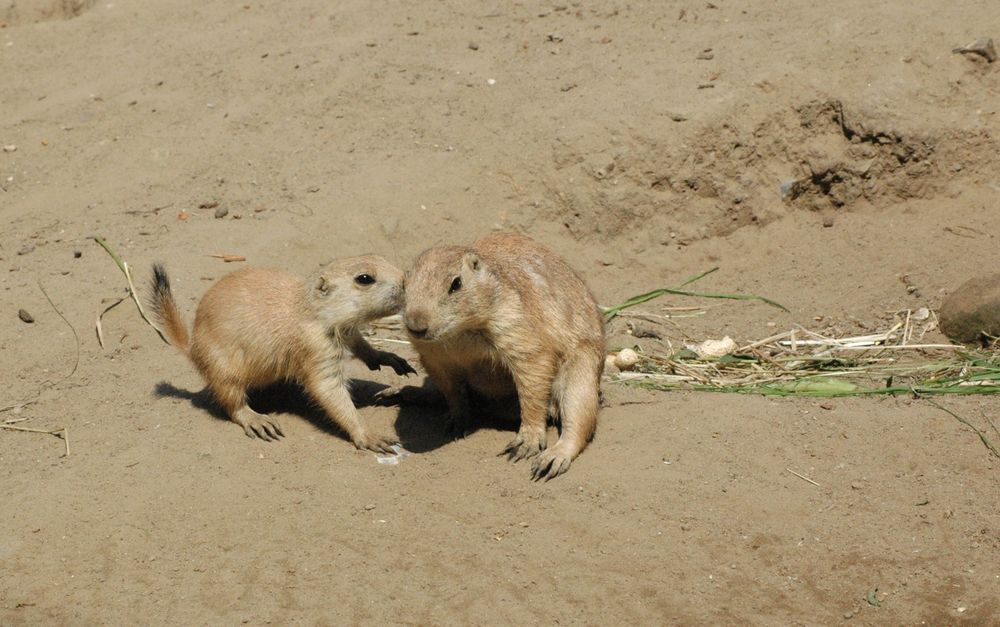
258,326
504,316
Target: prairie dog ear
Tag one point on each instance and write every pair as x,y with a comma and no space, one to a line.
323,285
472,262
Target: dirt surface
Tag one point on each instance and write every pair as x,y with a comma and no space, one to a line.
840,160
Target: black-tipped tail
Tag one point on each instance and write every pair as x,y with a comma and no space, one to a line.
165,309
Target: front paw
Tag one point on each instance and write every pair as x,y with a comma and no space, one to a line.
459,426
376,443
526,444
397,363
261,426
550,463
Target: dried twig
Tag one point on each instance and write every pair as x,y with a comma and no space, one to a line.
388,340
804,478
97,323
17,406
123,266
61,432
76,364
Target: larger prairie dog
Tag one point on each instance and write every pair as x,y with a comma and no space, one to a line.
257,326
508,315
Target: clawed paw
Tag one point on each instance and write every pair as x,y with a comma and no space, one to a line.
523,446
550,464
397,363
388,396
263,427
459,427
376,443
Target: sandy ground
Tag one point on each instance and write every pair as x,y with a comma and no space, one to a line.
644,141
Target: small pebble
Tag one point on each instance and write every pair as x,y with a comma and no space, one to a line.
828,221
183,215
848,615
626,359
706,55
25,316
9,148
27,248
369,507
473,45
77,254
787,189
221,212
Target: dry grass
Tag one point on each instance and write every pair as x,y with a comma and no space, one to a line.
800,362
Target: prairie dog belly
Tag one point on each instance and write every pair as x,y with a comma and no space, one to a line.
490,379
476,362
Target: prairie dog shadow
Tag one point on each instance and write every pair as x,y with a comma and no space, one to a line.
422,423
283,397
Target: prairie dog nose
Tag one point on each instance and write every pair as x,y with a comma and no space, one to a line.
416,323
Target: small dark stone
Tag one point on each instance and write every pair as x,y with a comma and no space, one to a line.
77,254
972,312
221,212
644,330
25,316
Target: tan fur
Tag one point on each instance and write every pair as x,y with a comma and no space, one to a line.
257,326
522,322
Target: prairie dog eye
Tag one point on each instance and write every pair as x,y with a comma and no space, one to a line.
364,279
455,285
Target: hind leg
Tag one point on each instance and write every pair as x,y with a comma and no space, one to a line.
578,389
233,398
